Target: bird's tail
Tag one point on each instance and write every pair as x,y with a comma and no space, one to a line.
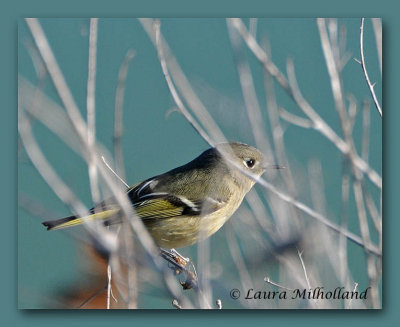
105,216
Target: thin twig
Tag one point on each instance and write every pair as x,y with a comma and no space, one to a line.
351,299
377,24
91,120
269,281
364,68
112,170
92,297
300,254
172,88
90,103
109,276
294,119
176,304
118,112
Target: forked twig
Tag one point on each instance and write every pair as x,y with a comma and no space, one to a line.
293,91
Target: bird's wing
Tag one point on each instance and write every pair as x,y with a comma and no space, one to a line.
149,203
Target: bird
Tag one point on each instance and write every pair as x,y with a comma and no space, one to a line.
189,203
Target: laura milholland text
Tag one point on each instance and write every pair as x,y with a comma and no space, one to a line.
318,293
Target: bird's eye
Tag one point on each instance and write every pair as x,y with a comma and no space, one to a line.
249,163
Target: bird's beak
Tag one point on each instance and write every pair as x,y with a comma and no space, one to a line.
274,167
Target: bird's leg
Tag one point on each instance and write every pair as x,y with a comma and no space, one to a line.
179,264
180,256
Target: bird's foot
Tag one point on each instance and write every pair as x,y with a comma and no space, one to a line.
176,256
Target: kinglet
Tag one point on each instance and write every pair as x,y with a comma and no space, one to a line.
188,203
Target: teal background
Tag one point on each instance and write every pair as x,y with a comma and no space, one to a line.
8,130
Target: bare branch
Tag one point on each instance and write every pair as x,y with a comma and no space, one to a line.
260,54
330,50
57,76
91,111
366,131
377,24
118,112
294,119
115,174
293,91
304,268
321,126
172,89
109,276
249,93
269,281
364,68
